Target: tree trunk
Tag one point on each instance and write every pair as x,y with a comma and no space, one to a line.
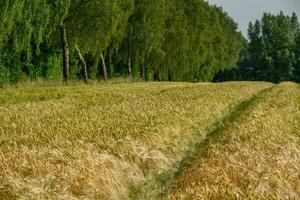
129,58
156,75
104,67
129,69
65,48
143,73
83,63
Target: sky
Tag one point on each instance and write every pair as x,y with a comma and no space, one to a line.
244,11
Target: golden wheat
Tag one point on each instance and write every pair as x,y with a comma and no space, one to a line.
255,157
104,141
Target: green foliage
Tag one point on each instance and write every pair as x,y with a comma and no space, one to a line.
53,66
93,25
25,23
273,53
182,40
204,42
272,47
296,72
4,71
75,70
10,66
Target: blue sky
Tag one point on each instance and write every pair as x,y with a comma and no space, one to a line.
244,11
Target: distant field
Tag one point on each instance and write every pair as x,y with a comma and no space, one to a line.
150,141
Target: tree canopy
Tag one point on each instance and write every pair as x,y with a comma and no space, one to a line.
175,40
273,51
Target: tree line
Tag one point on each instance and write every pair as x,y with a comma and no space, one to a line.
272,53
167,40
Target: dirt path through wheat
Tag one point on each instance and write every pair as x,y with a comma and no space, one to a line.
256,155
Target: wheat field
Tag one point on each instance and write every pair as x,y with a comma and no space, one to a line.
257,156
128,141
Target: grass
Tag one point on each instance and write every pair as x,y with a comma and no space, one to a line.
255,156
105,141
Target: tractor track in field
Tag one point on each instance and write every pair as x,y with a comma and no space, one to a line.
220,125
230,166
